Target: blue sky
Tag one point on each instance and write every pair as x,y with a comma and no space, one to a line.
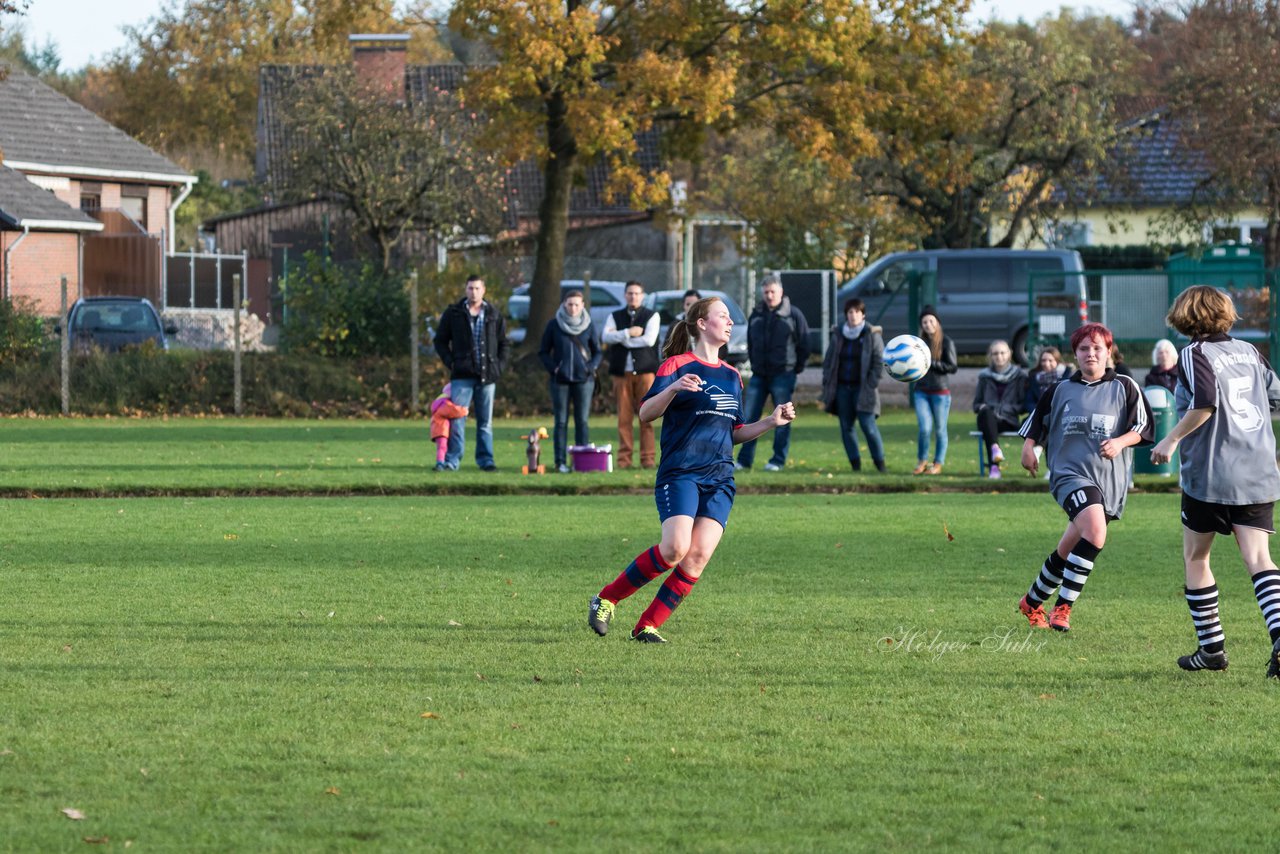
87,30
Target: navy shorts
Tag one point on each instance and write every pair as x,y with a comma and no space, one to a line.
1203,517
687,497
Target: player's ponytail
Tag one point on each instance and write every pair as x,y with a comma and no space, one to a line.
684,332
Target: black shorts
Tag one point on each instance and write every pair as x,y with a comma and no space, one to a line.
1202,517
1078,499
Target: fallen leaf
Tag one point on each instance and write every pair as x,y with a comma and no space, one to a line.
144,772
1048,697
332,790
553,823
331,613
515,726
839,545
947,531
1039,797
230,536
481,677
97,840
431,715
73,814
762,689
537,678
6,752
454,623
66,647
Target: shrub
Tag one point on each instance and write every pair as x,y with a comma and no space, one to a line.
345,310
22,331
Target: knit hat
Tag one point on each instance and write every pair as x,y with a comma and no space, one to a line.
928,309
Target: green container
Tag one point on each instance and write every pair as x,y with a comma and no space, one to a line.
1163,418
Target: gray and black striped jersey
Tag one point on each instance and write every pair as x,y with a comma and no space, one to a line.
1072,419
1231,458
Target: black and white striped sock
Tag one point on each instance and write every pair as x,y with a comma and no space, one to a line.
1048,580
1079,565
1203,604
1266,587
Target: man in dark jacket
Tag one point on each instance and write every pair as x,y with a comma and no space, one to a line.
472,342
778,344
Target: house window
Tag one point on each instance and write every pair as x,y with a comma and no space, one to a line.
90,202
1247,232
135,208
1068,235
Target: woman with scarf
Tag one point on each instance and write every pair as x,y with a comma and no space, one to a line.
931,396
571,353
851,375
999,400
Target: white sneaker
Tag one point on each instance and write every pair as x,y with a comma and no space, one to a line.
737,466
563,469
772,467
994,473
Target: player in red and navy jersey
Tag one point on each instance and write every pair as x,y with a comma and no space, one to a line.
699,399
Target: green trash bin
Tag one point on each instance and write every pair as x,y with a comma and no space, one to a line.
1164,417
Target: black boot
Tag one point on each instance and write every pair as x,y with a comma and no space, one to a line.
857,464
880,466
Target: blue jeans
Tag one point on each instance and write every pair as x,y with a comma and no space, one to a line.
847,412
779,387
479,397
561,395
931,416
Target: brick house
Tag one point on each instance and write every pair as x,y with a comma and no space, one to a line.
79,198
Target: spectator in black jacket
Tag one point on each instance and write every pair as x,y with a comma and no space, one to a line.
472,343
778,345
851,375
1164,365
571,353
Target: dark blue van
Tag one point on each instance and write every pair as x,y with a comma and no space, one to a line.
981,294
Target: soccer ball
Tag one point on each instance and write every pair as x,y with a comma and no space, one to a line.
906,358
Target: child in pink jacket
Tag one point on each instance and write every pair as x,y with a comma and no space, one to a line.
443,410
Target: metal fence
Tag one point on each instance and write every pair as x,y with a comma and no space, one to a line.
201,279
1133,304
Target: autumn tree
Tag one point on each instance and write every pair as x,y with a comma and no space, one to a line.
1224,91
805,212
394,166
572,82
9,7
978,131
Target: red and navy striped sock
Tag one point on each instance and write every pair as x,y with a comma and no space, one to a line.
647,566
670,595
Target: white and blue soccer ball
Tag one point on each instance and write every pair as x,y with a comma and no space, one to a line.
906,358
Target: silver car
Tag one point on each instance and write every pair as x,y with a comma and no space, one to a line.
603,299
670,305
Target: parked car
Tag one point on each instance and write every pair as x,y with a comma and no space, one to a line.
603,299
113,323
670,304
981,294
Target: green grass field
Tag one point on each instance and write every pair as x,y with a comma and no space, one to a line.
197,456
413,672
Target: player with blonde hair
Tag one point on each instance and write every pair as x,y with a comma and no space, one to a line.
1228,472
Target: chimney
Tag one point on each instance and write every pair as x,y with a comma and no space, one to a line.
379,62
